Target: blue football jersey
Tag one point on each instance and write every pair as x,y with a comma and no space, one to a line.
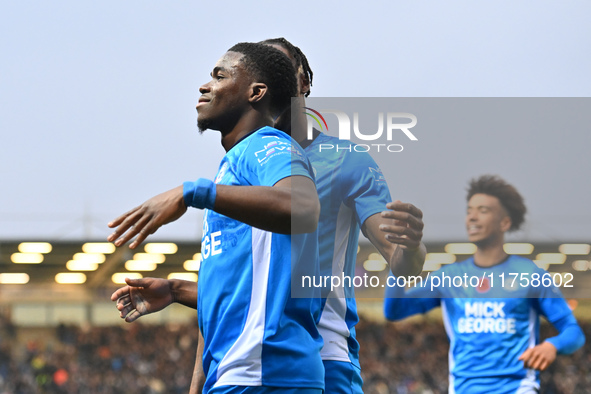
255,333
351,188
490,321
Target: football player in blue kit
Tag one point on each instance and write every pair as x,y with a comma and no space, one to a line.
262,204
352,198
493,324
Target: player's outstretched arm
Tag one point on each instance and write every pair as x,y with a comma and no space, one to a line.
570,338
397,234
290,206
145,219
148,295
400,303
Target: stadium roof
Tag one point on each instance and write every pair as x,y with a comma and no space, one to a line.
98,265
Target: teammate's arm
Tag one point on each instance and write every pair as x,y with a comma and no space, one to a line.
148,295
397,235
291,205
400,303
570,336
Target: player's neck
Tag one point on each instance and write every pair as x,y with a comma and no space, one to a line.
490,254
248,123
295,122
299,128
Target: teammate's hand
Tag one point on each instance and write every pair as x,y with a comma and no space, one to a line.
141,297
539,357
148,217
407,229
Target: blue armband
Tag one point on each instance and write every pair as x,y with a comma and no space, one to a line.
199,194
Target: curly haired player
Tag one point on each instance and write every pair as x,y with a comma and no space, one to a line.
493,327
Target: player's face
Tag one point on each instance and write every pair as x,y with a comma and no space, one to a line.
486,219
226,95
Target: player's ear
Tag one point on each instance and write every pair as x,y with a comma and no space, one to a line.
304,84
506,223
258,90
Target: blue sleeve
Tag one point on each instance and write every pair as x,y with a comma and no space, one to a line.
366,191
272,156
570,336
400,303
549,302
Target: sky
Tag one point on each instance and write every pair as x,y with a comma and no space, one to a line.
97,101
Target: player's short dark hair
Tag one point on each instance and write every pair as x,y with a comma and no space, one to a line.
271,67
297,54
508,196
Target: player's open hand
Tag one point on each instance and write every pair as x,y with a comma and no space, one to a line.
539,357
407,228
141,297
148,217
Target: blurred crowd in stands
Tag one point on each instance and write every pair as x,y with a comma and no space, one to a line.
137,358
401,358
